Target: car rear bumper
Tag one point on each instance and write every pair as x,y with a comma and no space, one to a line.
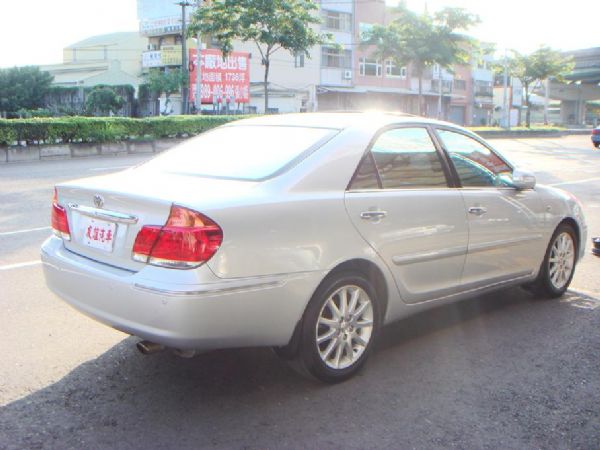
215,314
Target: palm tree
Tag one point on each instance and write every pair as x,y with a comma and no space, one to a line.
423,40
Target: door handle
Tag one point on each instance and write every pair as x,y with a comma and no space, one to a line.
373,215
477,210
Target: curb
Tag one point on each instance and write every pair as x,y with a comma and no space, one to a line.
83,150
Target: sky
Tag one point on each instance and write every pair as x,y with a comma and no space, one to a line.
35,31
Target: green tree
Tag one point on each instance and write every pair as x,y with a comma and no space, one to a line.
541,65
167,83
423,40
23,88
271,24
103,100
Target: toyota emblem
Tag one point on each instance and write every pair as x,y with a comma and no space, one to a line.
98,201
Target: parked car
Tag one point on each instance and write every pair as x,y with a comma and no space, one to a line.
308,233
596,137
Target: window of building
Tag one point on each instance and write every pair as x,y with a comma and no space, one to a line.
338,21
484,88
475,164
333,57
364,31
404,158
460,85
446,86
369,67
299,59
394,70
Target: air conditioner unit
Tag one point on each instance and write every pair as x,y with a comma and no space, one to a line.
347,75
152,47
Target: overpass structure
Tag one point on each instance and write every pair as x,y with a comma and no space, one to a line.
583,85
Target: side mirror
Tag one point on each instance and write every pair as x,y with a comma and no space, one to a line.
523,179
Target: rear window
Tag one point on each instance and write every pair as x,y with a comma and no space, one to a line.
243,152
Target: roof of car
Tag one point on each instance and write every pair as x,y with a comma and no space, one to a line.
338,120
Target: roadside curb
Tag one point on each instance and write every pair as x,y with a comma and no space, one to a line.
29,153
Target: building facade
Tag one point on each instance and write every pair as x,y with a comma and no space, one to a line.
343,76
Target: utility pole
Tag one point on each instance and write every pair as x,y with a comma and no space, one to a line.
505,106
546,100
198,99
184,66
440,93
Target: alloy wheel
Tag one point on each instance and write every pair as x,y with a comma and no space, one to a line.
562,260
344,327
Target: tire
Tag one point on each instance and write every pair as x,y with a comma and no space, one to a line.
334,340
559,263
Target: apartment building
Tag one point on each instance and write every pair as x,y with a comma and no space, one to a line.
344,76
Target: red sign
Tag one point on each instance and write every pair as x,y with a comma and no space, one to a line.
222,80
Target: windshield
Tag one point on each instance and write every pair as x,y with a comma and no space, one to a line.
242,152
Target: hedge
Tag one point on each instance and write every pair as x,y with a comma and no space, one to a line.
518,130
103,129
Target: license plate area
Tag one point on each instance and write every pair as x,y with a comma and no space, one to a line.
98,234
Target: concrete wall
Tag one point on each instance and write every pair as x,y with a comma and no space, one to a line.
67,151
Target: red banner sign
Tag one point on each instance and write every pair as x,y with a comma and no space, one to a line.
222,80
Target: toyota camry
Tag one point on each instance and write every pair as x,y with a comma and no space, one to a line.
306,233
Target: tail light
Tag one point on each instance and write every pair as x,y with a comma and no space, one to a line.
187,240
60,222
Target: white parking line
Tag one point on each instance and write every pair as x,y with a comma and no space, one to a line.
20,265
98,169
576,181
9,233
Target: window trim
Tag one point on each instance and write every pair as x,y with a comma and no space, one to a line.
362,67
476,138
450,180
330,14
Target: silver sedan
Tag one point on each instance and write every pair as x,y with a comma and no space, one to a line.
306,233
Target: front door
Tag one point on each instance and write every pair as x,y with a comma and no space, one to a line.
505,239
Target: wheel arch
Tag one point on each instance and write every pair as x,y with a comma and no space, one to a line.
364,267
573,224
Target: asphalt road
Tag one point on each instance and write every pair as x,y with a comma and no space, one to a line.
500,371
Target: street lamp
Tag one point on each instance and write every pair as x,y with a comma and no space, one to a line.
198,99
184,66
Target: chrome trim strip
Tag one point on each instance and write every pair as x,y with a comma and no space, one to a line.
111,216
430,256
485,246
209,291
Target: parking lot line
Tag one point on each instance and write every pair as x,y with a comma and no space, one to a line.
20,265
587,180
9,233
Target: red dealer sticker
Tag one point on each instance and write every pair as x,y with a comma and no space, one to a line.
222,79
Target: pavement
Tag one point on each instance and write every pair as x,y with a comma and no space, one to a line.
498,371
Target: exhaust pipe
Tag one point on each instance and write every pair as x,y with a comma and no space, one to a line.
147,347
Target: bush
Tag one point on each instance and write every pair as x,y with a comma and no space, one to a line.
104,129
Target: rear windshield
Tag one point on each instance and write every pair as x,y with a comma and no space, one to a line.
242,152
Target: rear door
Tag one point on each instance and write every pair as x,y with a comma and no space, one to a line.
505,224
401,202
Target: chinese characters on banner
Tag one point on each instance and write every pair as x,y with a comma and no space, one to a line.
223,80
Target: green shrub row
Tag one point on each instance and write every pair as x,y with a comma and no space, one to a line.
518,130
104,129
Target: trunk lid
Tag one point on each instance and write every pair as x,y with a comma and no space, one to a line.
106,213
